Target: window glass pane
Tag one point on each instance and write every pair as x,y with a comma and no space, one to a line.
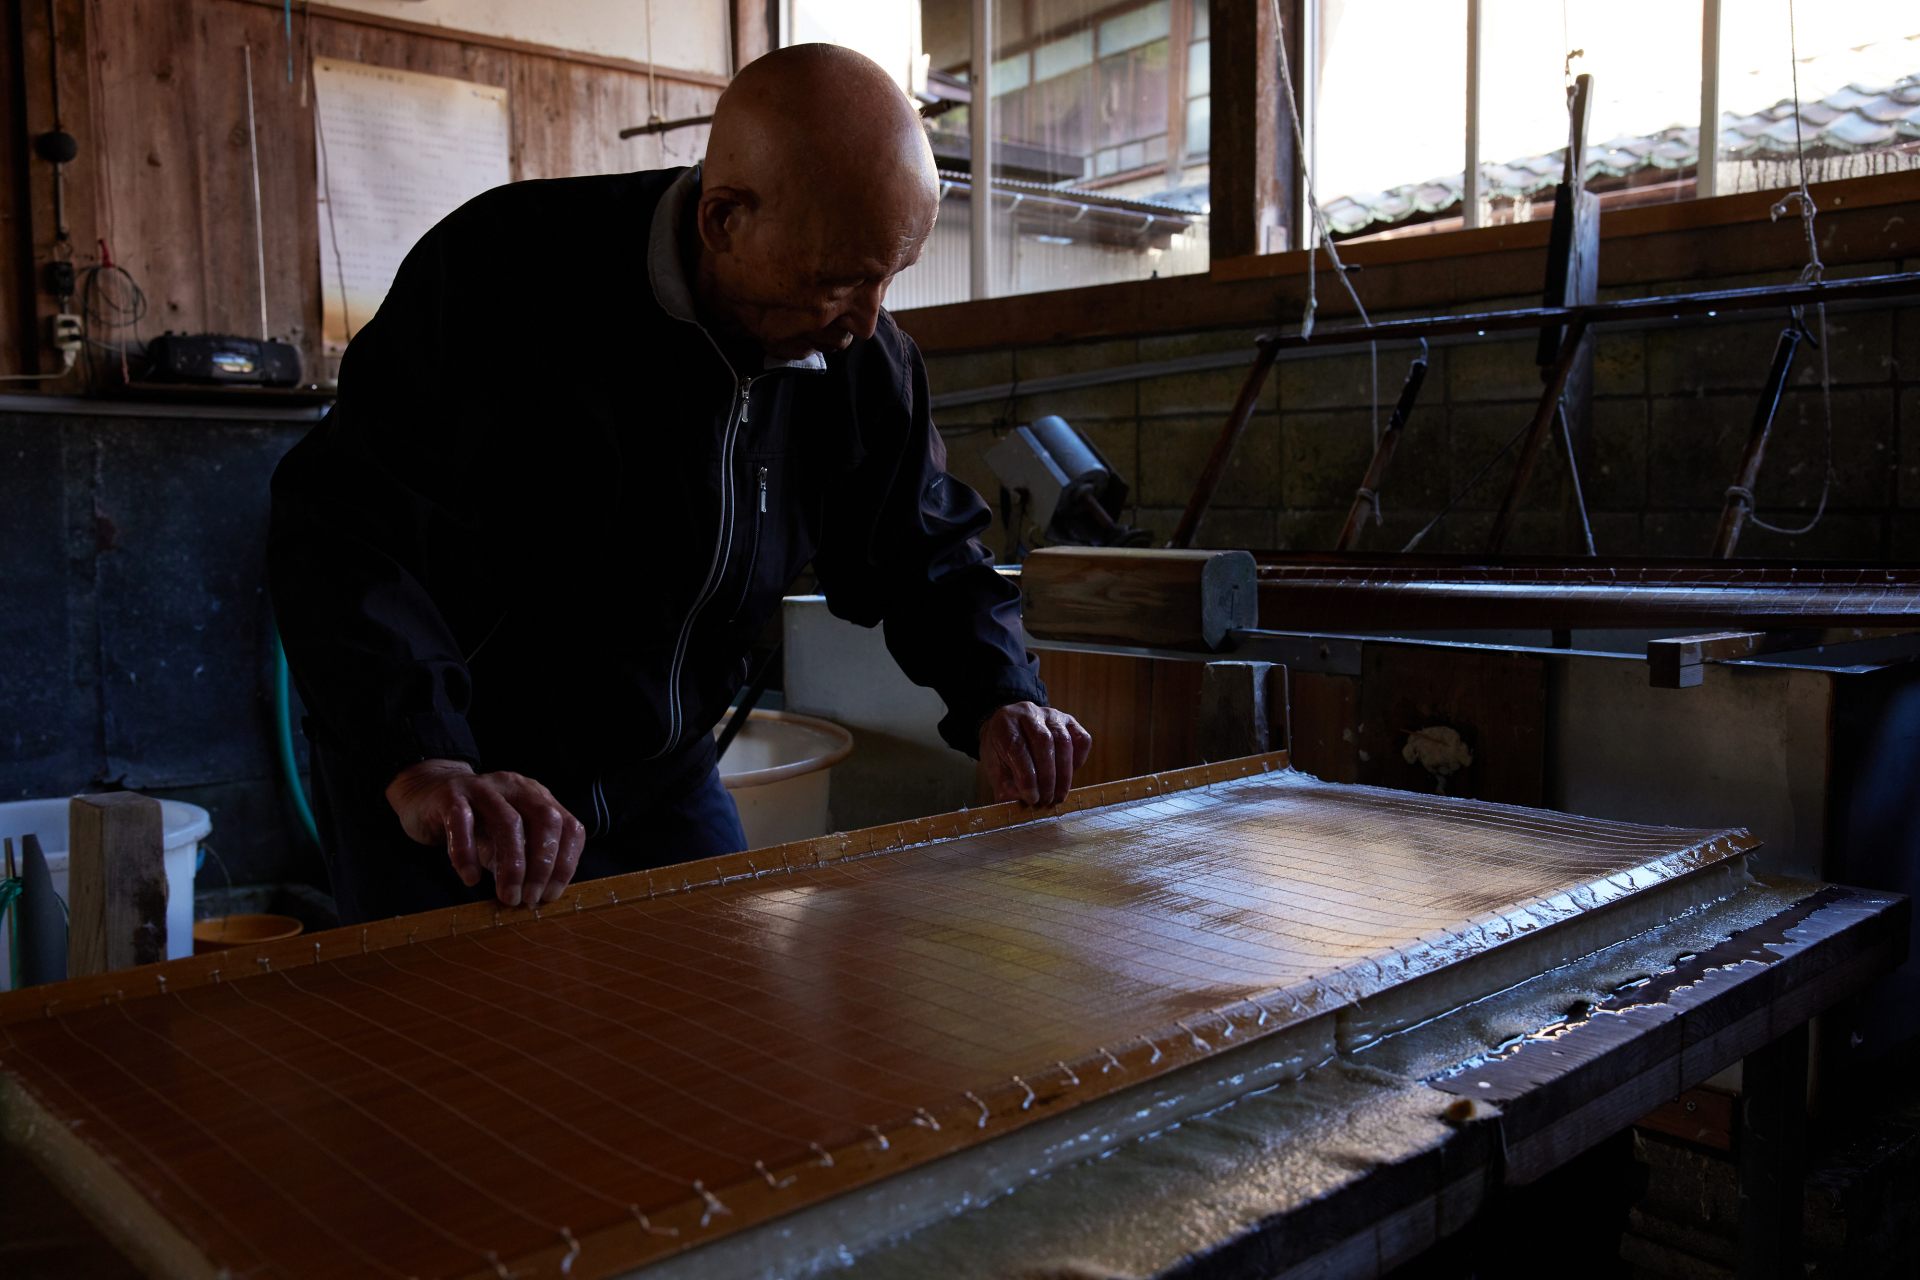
1010,74
1100,157
1374,141
1644,111
1199,68
1057,57
1199,126
1859,71
1201,19
1131,30
1133,94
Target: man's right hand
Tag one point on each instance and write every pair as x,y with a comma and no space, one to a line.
499,822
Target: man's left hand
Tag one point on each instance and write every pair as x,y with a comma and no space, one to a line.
1031,752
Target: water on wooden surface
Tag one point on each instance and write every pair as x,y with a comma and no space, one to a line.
698,1061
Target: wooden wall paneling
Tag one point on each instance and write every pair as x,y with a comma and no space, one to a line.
1495,701
172,92
1174,719
1322,728
1110,694
567,119
16,263
82,177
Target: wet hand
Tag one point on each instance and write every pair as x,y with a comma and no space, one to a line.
1031,752
499,822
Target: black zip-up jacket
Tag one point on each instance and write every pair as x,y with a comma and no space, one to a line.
546,517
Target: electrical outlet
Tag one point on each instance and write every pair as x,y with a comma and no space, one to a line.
67,332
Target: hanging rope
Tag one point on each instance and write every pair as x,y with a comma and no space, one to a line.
1800,201
1326,236
653,97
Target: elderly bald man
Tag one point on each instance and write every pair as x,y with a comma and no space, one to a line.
596,428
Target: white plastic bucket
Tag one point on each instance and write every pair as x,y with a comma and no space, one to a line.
777,771
182,827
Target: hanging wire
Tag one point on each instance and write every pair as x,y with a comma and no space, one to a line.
1801,201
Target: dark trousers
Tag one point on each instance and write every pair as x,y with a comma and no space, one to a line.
633,825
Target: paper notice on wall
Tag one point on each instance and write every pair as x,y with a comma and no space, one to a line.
397,151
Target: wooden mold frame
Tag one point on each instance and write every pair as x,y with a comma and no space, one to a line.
805,1211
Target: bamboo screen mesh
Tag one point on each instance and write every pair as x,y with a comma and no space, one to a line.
657,1062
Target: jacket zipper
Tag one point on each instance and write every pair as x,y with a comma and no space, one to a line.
753,549
716,570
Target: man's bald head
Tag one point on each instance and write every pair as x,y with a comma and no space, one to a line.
817,189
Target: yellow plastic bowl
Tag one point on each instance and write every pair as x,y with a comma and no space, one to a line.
223,932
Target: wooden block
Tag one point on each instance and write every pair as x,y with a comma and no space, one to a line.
116,883
1235,719
1169,599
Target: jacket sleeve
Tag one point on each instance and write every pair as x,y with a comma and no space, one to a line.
951,621
358,509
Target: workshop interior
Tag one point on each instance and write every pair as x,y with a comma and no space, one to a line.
1458,461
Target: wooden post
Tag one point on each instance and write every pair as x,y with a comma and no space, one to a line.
1224,445
1236,718
1249,139
54,64
1772,1140
1739,501
754,31
1190,600
1367,501
116,883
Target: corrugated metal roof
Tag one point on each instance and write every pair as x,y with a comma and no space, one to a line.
1852,121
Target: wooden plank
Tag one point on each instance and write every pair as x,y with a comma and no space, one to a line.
1173,599
1679,662
1430,274
116,883
1245,139
506,44
1743,209
1559,1096
1702,1116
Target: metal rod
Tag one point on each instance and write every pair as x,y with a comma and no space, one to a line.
1368,498
1470,183
665,126
1739,505
1000,391
1543,416
980,129
1706,180
1573,474
259,236
1223,447
1595,313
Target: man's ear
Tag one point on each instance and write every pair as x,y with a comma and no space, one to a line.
719,215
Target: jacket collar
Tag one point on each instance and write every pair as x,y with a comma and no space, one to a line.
666,268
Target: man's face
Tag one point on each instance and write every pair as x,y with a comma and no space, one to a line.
805,277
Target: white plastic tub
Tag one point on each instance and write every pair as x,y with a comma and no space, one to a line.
183,826
777,771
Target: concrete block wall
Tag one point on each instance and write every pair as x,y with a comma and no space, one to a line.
1671,410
